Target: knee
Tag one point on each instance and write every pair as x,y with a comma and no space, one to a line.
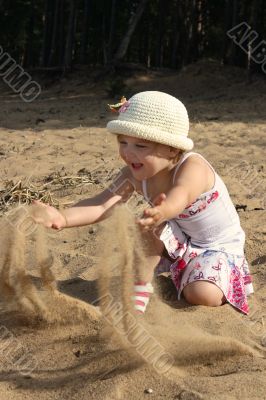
203,293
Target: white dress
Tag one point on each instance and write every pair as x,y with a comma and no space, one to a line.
206,242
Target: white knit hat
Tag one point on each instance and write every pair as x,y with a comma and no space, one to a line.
154,116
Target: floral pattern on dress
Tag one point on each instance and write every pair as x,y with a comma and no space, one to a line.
225,270
191,263
199,205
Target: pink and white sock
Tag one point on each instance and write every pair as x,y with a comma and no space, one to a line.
143,291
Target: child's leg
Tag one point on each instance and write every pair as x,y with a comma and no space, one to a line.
143,287
154,248
206,279
204,293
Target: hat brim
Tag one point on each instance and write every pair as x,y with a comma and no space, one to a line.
150,133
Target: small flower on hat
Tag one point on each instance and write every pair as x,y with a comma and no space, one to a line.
122,106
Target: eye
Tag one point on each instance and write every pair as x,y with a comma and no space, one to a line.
141,146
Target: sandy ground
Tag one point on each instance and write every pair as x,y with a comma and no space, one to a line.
218,353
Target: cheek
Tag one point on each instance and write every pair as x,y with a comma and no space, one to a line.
156,163
121,153
151,163
152,160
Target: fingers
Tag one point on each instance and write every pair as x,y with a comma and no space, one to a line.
153,213
152,217
47,215
55,226
159,199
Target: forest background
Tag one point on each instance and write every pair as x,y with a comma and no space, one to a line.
64,34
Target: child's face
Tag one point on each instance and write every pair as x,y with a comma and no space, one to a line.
144,158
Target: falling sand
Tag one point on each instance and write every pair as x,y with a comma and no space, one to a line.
17,286
175,343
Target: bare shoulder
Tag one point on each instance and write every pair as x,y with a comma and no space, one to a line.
196,171
191,163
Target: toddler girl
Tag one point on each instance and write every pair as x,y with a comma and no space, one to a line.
192,222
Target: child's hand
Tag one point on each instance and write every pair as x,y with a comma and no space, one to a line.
47,215
153,216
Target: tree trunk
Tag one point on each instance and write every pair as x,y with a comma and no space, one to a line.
111,33
192,27
175,36
61,29
70,35
147,45
47,33
104,44
28,59
227,26
200,28
256,8
134,19
160,34
182,33
195,50
85,32
232,47
53,54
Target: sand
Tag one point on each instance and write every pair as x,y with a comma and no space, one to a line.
211,352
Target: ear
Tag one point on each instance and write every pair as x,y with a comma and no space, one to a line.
174,153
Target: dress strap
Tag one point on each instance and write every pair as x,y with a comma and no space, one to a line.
144,189
184,157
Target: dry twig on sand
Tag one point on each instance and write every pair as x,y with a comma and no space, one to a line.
17,193
14,193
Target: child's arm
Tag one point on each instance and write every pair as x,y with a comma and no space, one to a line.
90,210
193,179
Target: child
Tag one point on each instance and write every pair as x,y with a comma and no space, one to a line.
191,220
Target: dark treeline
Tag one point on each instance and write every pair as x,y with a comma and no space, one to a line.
155,33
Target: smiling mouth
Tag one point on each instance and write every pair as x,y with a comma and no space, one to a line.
136,166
